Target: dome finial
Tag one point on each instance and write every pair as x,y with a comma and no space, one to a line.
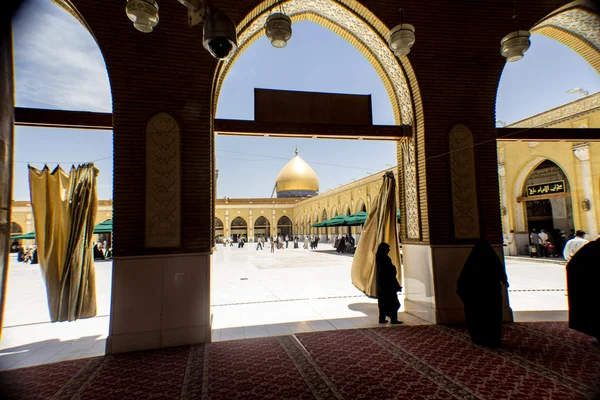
296,149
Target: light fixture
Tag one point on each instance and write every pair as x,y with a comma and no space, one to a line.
579,90
143,14
515,44
402,38
220,36
278,28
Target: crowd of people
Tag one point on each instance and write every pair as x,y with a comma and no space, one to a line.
344,244
554,244
102,251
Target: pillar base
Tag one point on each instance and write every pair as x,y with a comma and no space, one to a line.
159,301
430,276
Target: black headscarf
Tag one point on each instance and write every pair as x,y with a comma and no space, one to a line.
482,273
386,271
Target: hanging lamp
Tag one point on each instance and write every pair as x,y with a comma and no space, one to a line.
514,45
278,28
402,38
143,14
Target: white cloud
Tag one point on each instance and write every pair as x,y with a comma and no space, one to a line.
58,64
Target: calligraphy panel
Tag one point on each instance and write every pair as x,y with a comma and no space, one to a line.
163,182
464,187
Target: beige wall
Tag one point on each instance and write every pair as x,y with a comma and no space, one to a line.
518,159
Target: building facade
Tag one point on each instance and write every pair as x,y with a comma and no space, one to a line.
551,185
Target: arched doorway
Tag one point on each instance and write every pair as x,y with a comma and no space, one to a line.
262,228
284,226
547,198
239,229
219,233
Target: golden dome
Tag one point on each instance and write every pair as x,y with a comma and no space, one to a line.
297,176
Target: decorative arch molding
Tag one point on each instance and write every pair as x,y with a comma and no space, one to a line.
349,19
519,188
576,25
163,182
346,210
218,223
359,205
464,184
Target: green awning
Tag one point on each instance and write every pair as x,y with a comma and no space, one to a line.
319,224
28,236
357,219
104,227
398,215
338,220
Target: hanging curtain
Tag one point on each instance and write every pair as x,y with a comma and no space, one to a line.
64,212
380,226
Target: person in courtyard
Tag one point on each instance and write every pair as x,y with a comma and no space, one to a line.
295,242
306,242
583,275
387,285
534,241
287,241
259,243
273,245
543,243
341,245
574,245
480,288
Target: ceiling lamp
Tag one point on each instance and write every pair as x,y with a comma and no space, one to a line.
278,29
514,45
143,14
402,38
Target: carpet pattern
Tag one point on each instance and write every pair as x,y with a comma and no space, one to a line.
538,361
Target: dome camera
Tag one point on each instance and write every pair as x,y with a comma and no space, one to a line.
220,37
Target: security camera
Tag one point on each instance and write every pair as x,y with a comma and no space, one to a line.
220,37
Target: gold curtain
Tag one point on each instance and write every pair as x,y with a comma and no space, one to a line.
380,226
64,212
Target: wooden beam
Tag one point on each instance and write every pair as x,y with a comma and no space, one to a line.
543,197
37,117
547,135
314,131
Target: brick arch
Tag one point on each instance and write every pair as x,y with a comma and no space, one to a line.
577,26
352,21
359,205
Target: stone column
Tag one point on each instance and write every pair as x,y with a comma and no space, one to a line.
582,152
510,248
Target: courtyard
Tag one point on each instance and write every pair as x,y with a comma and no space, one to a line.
254,294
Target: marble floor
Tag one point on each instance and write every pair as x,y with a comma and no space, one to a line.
255,293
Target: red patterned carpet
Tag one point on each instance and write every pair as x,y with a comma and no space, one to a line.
538,361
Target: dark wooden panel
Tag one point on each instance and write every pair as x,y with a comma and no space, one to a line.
62,119
312,107
315,131
547,135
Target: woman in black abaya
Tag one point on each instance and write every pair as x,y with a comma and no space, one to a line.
387,286
480,288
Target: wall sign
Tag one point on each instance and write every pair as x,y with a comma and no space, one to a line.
546,188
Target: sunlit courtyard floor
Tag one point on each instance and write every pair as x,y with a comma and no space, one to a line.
254,293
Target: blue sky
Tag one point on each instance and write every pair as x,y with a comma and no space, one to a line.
58,65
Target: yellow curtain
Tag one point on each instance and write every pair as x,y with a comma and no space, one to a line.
380,226
64,211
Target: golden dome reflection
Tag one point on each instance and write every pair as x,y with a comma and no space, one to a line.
297,179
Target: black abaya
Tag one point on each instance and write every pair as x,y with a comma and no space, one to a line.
583,277
480,288
387,287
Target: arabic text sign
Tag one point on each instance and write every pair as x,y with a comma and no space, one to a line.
546,188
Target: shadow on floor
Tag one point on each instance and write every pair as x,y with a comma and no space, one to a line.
50,351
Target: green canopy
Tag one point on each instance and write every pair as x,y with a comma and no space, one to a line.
338,220
357,219
30,235
104,227
319,224
398,215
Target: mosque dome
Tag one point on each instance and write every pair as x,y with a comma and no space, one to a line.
297,179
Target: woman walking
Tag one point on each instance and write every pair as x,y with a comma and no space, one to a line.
387,286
